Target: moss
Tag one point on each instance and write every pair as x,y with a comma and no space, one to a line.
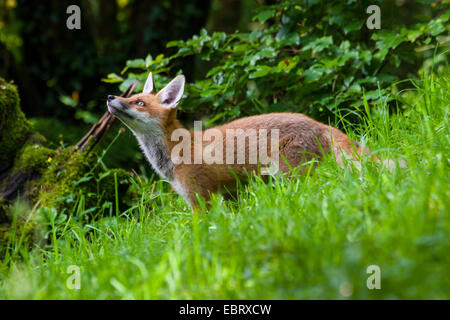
33,156
73,174
65,176
31,161
14,127
45,176
57,178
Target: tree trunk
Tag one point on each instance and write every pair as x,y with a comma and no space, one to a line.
38,175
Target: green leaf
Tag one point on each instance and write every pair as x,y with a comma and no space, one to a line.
68,101
148,60
263,16
387,39
112,78
261,71
435,27
353,26
136,63
126,83
175,43
288,63
319,44
314,73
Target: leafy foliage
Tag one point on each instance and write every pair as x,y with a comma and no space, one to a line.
307,56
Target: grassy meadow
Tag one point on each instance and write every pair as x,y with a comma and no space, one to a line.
309,237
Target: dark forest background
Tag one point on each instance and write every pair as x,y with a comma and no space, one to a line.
52,65
59,71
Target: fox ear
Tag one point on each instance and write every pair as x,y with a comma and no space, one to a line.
171,94
149,86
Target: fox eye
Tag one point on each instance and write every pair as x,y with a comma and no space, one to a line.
140,103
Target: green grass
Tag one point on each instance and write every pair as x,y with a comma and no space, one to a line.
309,237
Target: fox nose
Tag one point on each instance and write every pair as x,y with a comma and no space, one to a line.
110,97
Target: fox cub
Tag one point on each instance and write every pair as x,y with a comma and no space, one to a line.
286,139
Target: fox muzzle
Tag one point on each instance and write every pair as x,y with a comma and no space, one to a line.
118,107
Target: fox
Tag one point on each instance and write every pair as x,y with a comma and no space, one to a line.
152,118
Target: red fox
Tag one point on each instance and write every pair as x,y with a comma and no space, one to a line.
152,118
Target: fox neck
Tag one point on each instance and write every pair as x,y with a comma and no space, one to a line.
156,145
155,150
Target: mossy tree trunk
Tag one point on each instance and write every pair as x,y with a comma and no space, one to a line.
33,173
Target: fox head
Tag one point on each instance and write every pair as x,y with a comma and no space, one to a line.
148,111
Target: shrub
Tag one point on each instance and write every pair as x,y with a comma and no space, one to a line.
316,57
